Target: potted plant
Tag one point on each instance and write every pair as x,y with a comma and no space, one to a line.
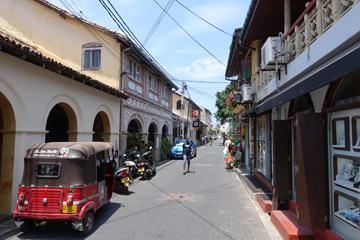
165,148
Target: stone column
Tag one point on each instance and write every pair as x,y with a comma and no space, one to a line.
123,142
287,15
157,147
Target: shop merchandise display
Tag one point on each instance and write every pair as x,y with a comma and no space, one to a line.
350,215
349,176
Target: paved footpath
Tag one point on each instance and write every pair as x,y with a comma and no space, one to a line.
207,203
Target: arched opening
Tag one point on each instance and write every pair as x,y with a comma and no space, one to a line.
151,132
164,131
346,92
61,124
134,139
301,104
101,128
134,126
7,148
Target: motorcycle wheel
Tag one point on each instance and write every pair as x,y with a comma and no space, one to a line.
88,223
154,172
145,176
124,189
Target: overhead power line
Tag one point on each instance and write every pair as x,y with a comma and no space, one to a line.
94,33
156,24
131,36
190,35
203,19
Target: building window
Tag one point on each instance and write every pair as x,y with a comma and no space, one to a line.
164,91
91,56
135,70
178,104
152,83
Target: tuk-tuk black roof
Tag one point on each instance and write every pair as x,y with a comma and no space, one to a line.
76,161
77,149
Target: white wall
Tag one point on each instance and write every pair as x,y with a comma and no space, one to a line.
33,91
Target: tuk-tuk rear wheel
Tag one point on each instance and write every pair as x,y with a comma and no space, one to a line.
88,222
27,226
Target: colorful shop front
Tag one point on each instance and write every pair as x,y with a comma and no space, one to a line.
308,142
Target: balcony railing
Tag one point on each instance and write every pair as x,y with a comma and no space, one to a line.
317,18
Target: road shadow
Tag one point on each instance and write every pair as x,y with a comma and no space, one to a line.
63,230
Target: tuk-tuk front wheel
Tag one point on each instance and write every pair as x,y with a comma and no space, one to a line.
88,222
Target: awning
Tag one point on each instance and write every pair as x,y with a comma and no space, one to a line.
249,113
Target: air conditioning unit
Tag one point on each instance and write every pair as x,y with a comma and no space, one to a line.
268,52
246,93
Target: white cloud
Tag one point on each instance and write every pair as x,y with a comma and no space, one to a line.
200,68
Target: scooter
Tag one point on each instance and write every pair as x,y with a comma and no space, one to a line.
122,180
145,165
130,162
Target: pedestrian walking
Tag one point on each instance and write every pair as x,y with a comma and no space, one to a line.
228,150
187,152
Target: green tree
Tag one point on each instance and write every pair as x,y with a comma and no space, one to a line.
224,105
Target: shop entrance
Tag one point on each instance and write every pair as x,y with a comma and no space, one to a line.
7,146
61,124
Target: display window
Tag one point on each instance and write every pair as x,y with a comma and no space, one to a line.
345,171
347,209
356,133
263,164
261,145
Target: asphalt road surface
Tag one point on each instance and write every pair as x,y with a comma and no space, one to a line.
208,203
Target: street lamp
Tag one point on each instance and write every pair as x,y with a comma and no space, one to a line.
237,95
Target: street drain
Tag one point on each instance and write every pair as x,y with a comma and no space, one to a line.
181,197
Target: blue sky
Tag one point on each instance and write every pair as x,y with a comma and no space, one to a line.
181,56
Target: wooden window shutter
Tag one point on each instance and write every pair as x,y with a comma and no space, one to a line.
312,179
281,161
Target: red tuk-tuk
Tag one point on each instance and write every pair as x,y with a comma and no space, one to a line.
66,181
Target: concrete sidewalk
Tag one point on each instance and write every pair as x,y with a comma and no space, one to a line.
7,226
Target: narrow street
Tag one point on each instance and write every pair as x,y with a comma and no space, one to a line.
207,203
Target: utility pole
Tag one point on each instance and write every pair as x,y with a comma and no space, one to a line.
182,135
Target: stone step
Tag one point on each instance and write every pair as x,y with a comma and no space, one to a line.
286,224
265,201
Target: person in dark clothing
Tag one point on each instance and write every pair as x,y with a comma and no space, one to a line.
187,152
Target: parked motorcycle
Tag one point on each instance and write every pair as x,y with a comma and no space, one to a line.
130,162
145,165
122,180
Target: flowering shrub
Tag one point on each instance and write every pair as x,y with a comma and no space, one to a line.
230,101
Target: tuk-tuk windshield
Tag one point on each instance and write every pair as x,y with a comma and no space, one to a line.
47,170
